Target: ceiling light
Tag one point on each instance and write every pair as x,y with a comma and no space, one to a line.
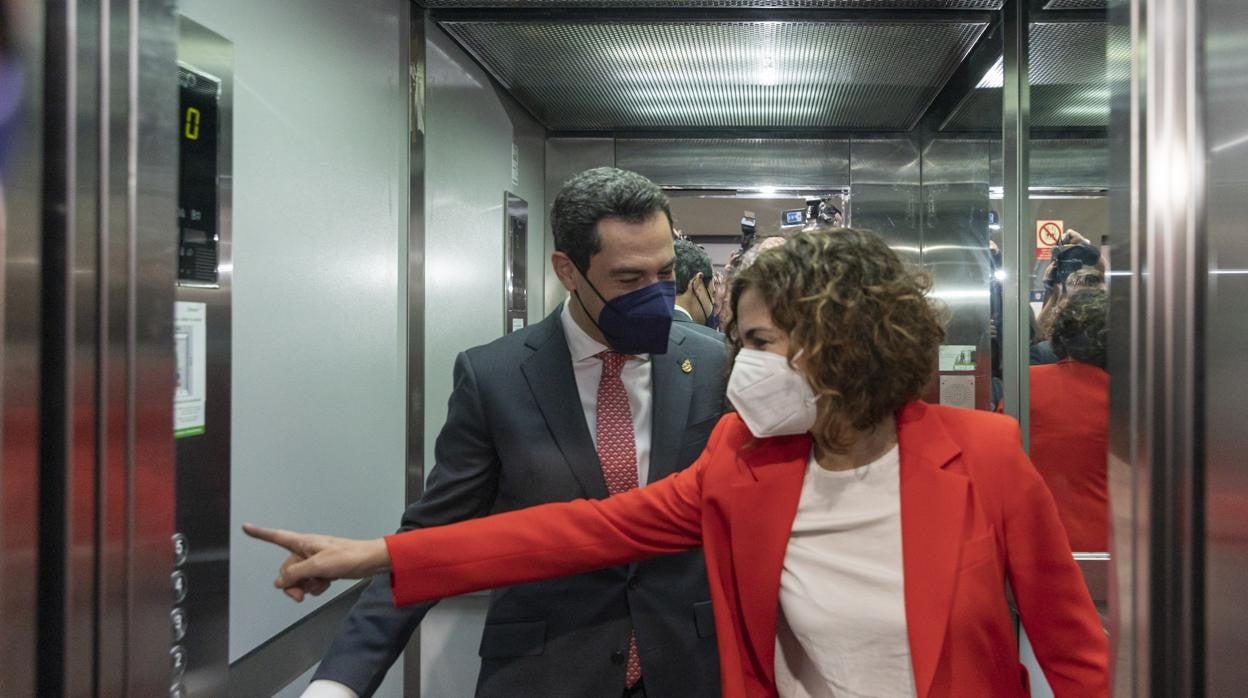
767,73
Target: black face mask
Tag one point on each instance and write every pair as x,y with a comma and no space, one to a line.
638,322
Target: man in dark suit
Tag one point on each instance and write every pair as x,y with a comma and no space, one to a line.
603,394
695,304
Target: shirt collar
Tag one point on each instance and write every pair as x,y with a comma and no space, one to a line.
580,344
686,312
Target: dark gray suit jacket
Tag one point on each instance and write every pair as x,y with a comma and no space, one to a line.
515,436
688,323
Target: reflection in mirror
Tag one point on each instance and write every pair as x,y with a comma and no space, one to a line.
1069,166
1070,409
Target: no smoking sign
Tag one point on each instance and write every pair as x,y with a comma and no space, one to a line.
1048,235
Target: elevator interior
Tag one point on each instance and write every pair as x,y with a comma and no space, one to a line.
383,177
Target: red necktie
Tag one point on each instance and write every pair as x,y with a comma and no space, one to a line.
617,450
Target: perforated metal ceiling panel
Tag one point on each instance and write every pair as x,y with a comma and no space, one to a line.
621,76
1077,5
1069,80
736,4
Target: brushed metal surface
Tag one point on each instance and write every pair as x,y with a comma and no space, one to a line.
20,281
1225,345
1016,249
202,500
1157,361
152,153
737,163
954,247
884,177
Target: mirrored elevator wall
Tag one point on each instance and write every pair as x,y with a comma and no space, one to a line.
928,194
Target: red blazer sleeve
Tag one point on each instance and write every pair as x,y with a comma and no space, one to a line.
551,540
1053,601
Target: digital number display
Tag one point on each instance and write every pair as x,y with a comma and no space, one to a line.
197,177
795,217
190,127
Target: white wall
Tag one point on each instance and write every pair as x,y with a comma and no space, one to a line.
320,217
471,126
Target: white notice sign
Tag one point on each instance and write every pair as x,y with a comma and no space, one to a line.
190,334
957,357
958,391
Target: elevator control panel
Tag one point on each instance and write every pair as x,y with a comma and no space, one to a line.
198,237
177,615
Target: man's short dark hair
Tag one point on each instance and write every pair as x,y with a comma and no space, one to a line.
597,194
691,259
1079,331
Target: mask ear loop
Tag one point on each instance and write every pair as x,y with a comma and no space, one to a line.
705,315
582,302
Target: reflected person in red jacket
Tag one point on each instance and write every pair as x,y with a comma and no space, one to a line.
858,541
1070,419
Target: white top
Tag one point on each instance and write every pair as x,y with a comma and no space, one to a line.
842,630
684,312
637,377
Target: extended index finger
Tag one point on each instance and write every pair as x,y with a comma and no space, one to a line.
276,536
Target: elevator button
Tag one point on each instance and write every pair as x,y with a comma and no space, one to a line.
177,621
181,549
177,580
177,661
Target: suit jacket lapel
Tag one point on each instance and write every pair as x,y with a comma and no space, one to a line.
671,390
551,379
933,513
761,521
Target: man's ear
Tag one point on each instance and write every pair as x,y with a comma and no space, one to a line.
564,269
697,279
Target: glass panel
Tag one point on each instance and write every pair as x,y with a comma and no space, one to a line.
1069,209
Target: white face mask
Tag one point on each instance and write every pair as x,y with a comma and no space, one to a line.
770,395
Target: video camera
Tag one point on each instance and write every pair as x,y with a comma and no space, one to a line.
749,229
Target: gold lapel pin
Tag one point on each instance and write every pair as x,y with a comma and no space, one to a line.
686,366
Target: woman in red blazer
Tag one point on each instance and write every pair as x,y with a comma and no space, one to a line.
835,340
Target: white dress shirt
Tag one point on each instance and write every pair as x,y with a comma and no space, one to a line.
684,312
842,630
587,367
636,377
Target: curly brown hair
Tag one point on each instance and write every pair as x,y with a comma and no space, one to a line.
861,328
1079,331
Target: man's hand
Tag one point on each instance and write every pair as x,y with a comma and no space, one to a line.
317,560
1074,237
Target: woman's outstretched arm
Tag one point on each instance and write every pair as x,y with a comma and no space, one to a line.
543,542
